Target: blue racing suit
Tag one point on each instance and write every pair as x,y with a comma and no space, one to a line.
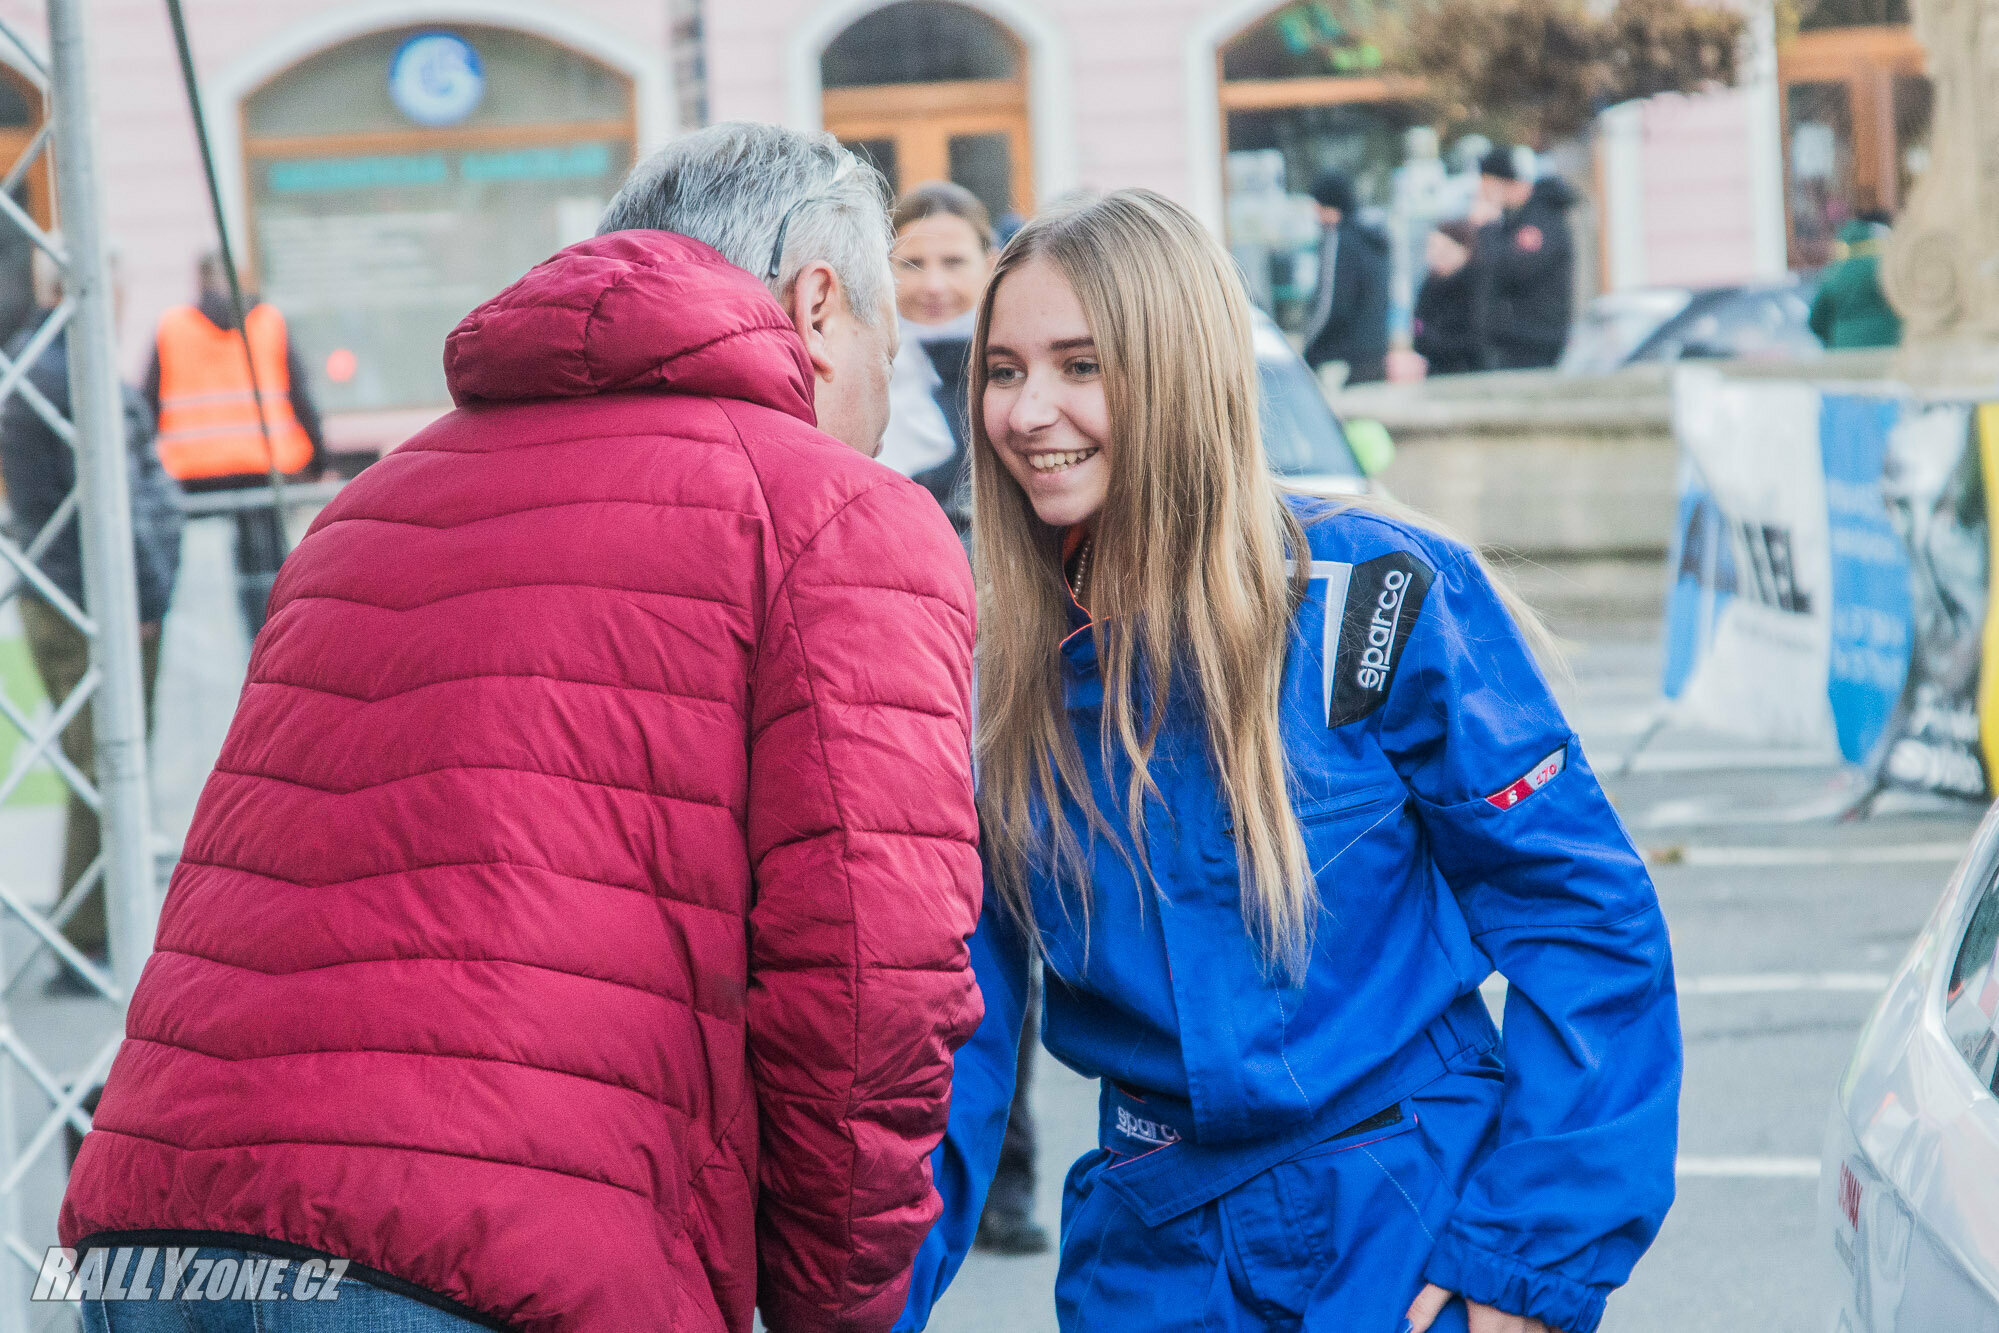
1285,1155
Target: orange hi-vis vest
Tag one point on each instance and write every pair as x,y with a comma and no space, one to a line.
208,415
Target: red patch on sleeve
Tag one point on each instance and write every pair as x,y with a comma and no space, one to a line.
1541,775
1529,239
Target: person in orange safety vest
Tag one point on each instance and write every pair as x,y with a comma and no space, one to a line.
199,386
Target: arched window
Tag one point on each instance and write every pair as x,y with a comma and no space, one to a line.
928,90
1306,39
1857,107
398,179
1303,91
914,42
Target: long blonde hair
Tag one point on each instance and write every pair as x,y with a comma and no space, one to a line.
1188,584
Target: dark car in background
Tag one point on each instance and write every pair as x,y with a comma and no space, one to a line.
1755,322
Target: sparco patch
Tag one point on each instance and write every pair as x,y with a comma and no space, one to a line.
1380,600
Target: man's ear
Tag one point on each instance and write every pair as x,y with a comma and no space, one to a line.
815,299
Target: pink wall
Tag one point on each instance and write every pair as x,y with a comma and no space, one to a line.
1697,211
745,57
1131,95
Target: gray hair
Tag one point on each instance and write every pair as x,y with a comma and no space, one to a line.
735,184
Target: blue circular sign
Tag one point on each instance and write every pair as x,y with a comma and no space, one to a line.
436,79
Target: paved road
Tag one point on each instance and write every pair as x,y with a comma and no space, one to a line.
1781,938
1781,934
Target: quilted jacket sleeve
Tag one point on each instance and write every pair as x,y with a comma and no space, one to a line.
864,848
981,1097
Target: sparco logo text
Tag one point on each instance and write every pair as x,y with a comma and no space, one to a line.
1145,1131
1379,657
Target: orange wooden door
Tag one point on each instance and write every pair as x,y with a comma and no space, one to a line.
22,123
973,132
1855,83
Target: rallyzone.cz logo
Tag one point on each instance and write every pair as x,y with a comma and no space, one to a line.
124,1273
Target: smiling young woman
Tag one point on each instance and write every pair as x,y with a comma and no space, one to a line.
1272,785
1043,407
1066,300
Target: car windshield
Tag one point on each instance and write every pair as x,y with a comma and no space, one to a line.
1614,326
1300,433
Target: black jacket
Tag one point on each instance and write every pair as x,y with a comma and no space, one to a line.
40,470
1352,317
951,480
1444,333
1524,281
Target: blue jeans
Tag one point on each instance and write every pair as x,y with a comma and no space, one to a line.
295,1299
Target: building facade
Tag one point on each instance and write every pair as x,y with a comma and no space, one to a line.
385,164
1217,103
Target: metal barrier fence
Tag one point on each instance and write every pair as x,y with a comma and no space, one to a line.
297,495
99,508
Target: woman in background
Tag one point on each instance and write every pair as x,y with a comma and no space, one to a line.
1445,335
943,256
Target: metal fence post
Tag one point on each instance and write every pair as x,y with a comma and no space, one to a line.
106,516
98,509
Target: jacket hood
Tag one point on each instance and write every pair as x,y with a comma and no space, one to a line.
1553,192
631,310
215,308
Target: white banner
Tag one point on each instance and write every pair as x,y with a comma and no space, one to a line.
1764,655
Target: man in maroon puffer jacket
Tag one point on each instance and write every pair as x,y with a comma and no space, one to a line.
572,934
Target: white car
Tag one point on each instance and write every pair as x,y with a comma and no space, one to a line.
1909,1184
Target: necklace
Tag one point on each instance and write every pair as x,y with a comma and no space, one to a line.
1081,583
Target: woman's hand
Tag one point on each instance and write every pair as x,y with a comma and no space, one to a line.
1484,1319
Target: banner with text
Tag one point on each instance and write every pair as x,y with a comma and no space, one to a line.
1788,615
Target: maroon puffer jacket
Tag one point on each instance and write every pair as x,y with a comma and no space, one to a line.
574,925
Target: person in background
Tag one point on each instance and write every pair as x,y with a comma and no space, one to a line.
199,389
39,468
1005,225
943,255
1348,319
572,933
1523,271
1444,335
1850,309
